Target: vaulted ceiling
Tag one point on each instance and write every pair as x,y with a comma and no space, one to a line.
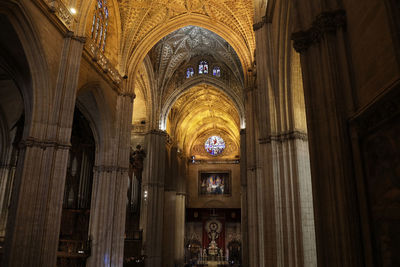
140,18
199,113
180,46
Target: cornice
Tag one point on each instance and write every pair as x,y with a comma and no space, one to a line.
324,23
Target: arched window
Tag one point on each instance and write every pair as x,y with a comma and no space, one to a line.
203,67
100,24
217,71
189,73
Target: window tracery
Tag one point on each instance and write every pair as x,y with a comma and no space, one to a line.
217,71
100,24
189,73
203,67
214,145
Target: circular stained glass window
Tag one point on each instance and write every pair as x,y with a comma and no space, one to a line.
214,145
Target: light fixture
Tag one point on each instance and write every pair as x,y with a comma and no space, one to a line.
73,10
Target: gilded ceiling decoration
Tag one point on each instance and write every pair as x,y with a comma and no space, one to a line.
199,113
140,18
189,42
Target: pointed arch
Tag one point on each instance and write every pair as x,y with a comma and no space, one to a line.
132,58
37,95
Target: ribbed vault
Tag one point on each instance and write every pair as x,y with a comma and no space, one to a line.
200,112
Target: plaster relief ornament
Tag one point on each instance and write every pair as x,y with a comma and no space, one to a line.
214,145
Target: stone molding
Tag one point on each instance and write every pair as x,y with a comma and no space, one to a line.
283,137
62,12
260,24
70,34
158,132
102,61
324,23
43,144
107,168
132,96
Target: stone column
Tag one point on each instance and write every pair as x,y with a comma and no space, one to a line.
324,61
278,175
243,194
170,180
36,204
180,212
7,174
151,214
109,193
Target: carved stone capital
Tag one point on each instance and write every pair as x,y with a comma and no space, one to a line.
105,168
158,132
43,144
260,24
324,23
132,96
283,137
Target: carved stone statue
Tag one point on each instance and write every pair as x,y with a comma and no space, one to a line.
136,161
135,171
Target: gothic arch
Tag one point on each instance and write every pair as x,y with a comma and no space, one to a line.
85,21
133,59
89,100
167,105
36,95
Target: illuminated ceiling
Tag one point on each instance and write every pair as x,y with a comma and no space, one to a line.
140,18
199,113
182,45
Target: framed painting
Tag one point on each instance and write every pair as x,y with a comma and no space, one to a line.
213,183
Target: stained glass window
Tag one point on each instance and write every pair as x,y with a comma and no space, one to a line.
100,24
217,72
189,73
214,145
203,67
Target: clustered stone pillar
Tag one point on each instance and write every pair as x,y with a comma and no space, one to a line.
36,204
279,196
152,207
109,193
174,209
324,61
180,211
244,212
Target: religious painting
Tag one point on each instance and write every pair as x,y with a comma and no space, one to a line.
214,183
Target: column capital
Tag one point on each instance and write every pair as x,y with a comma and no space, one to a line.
325,22
132,96
260,24
110,168
158,132
43,144
283,137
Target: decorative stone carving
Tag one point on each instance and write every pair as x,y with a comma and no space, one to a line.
326,22
43,144
102,61
136,161
284,137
